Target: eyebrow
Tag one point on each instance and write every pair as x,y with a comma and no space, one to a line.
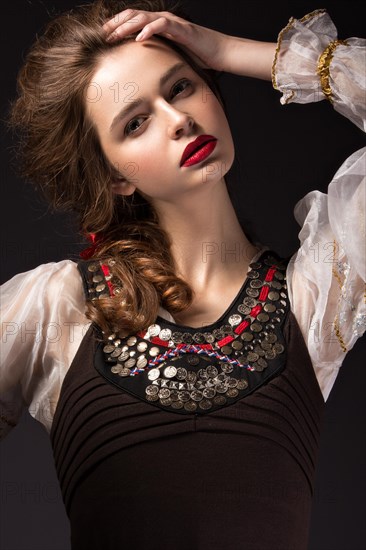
133,104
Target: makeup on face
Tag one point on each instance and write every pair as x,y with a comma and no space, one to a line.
157,122
198,150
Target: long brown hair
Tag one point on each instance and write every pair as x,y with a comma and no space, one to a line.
60,153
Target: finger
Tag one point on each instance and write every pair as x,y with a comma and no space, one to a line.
129,26
159,26
127,22
119,19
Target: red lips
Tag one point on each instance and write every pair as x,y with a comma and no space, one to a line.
195,145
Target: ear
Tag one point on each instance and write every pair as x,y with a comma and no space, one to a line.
123,187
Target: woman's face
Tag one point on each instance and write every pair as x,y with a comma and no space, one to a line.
147,105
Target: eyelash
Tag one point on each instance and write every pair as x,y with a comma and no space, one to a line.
127,130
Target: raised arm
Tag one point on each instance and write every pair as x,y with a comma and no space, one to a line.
308,63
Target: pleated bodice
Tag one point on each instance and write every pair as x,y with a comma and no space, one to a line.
135,475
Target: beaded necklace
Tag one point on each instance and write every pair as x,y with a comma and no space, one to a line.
185,370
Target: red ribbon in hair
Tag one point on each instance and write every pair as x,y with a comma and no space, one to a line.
89,252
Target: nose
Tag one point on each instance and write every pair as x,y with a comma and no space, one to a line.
178,122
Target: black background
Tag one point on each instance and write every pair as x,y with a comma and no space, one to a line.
281,154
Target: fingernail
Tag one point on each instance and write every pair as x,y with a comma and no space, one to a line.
141,35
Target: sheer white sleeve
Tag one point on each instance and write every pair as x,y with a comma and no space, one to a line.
43,323
326,277
312,64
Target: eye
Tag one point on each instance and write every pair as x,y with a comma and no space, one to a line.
131,127
180,87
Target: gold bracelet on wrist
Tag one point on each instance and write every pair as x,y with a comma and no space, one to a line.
323,67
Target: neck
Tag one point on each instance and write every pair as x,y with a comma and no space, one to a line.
209,246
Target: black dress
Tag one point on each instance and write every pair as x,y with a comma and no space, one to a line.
179,438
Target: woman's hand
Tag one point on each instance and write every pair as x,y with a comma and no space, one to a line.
207,47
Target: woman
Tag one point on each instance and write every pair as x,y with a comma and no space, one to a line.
174,362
